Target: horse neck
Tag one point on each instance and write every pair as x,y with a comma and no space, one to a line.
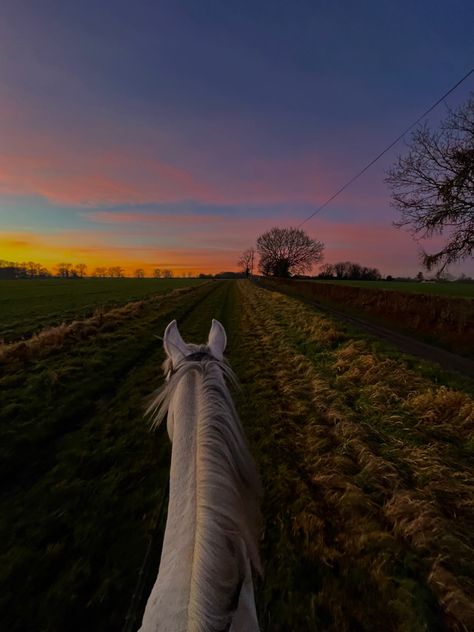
203,563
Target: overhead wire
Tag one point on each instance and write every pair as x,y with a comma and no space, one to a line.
374,160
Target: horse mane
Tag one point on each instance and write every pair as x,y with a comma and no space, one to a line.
228,488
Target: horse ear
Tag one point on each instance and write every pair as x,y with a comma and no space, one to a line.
174,345
217,339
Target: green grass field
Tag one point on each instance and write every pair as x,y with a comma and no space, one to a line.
27,306
366,456
462,290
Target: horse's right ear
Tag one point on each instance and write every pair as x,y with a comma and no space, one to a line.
175,347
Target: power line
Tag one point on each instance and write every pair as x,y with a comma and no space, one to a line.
374,160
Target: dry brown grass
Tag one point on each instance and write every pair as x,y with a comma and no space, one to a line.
372,471
450,319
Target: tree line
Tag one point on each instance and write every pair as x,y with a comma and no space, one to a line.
65,270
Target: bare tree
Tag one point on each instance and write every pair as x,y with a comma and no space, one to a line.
354,271
246,261
340,268
100,272
64,270
167,274
115,272
14,270
139,273
157,273
433,186
326,271
286,251
81,269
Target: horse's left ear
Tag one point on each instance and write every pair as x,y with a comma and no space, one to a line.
217,340
175,347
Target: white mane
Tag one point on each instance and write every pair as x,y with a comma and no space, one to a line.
226,490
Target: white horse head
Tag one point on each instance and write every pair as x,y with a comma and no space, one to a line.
210,545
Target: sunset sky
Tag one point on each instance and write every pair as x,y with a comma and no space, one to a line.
172,133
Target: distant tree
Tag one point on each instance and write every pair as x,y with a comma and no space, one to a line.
287,251
157,273
433,186
341,268
389,277
370,274
100,272
139,273
116,272
246,261
326,271
354,271
31,268
43,272
167,274
15,270
81,269
64,270
420,277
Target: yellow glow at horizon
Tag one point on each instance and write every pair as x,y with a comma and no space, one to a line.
28,247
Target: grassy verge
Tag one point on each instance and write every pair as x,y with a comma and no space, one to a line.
437,320
368,468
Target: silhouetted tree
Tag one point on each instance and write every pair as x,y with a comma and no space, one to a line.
167,274
29,270
100,272
354,271
287,251
81,269
139,273
64,270
340,269
157,273
116,272
246,261
433,186
326,271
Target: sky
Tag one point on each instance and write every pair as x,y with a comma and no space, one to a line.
172,133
